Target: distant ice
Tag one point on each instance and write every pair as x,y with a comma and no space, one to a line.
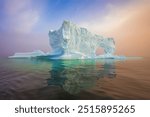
28,54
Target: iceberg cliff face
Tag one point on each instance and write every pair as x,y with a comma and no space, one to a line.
73,41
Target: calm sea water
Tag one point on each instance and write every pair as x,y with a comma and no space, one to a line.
74,79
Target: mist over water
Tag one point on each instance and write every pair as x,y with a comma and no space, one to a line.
74,79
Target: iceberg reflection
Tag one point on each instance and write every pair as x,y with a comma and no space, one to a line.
77,75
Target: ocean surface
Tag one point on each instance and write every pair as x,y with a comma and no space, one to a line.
74,79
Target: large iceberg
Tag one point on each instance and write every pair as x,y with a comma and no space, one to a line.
74,42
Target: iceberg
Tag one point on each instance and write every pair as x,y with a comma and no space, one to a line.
73,42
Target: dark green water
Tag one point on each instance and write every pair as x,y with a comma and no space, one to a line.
74,79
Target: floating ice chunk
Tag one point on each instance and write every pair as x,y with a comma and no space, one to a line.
28,54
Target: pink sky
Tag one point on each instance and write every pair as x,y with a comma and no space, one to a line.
24,25
130,27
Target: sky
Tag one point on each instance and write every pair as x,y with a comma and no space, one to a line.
24,24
